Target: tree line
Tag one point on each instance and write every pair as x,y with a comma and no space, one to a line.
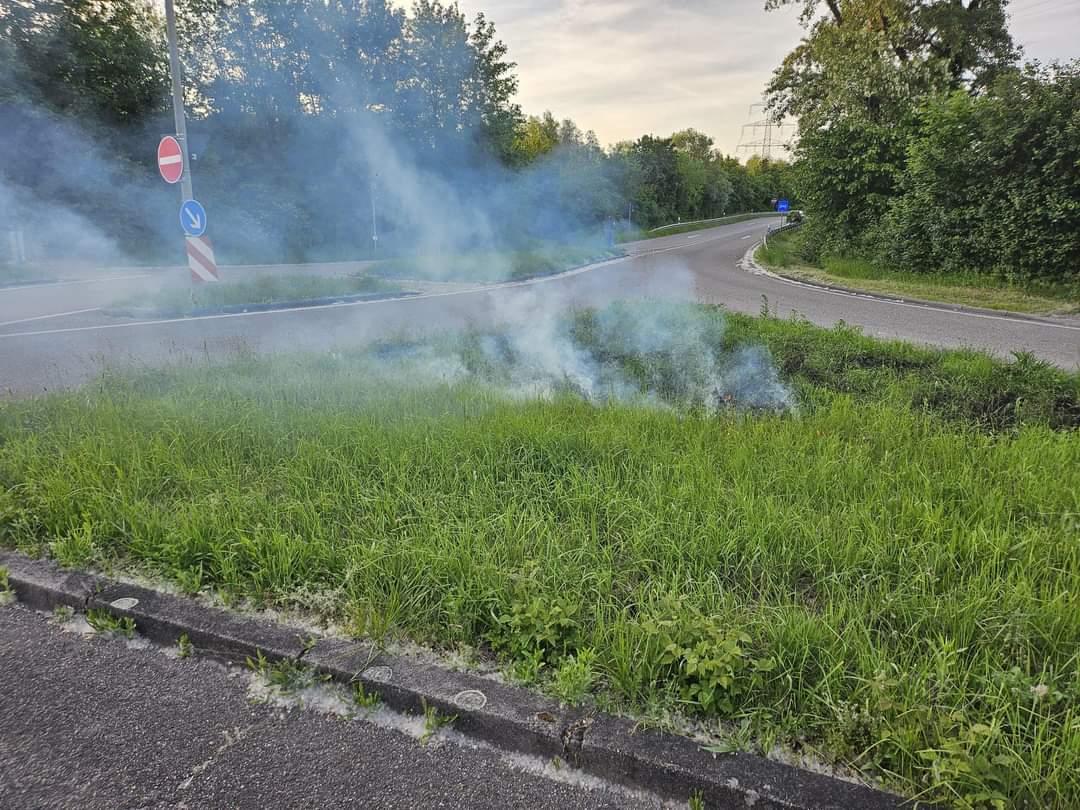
925,145
286,99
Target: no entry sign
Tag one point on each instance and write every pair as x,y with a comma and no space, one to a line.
170,159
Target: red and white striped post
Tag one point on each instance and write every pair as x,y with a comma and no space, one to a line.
201,262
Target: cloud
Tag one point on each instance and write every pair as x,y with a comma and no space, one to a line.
628,67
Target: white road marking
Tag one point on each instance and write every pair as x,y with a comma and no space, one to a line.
944,308
46,317
49,284
747,236
511,285
695,236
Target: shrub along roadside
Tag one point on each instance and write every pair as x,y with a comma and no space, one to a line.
872,577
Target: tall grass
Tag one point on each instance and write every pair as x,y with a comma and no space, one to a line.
274,288
871,578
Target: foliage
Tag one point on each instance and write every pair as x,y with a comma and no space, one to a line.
109,625
434,720
902,548
184,647
101,61
365,699
710,663
7,594
287,675
992,184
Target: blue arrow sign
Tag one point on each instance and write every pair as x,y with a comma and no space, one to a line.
193,218
783,206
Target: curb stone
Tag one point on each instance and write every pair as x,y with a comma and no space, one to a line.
748,263
511,718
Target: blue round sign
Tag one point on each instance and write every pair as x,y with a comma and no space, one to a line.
193,218
783,206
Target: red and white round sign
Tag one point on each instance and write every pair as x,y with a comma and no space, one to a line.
170,159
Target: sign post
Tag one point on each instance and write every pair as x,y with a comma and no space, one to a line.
782,206
178,102
174,163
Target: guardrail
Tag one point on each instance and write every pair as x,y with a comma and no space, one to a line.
773,231
715,219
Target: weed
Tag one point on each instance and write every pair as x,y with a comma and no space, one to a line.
536,631
696,802
109,625
574,678
364,699
190,580
184,647
7,595
63,613
434,720
75,547
736,740
287,675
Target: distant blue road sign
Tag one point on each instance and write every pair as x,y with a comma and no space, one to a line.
193,218
783,206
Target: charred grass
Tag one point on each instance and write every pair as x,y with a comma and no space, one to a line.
884,577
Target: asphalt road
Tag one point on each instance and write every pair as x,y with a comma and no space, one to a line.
92,724
65,344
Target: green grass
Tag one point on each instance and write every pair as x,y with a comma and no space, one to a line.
784,253
491,267
690,227
14,275
886,575
265,289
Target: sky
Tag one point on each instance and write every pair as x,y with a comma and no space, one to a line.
624,68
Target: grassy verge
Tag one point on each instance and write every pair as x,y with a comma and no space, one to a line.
491,267
884,575
266,289
690,227
12,275
784,254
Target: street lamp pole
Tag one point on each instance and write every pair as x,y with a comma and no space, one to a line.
178,101
374,226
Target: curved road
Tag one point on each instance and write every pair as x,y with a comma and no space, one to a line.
53,336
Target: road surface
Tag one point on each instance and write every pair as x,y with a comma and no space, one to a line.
69,339
92,724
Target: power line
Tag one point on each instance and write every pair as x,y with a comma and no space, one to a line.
766,134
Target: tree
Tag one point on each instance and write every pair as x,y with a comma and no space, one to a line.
855,81
993,181
101,61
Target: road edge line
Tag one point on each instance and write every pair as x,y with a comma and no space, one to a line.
750,264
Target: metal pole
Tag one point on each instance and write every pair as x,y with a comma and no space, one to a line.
178,101
374,226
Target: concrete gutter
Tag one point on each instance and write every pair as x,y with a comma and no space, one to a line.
514,719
